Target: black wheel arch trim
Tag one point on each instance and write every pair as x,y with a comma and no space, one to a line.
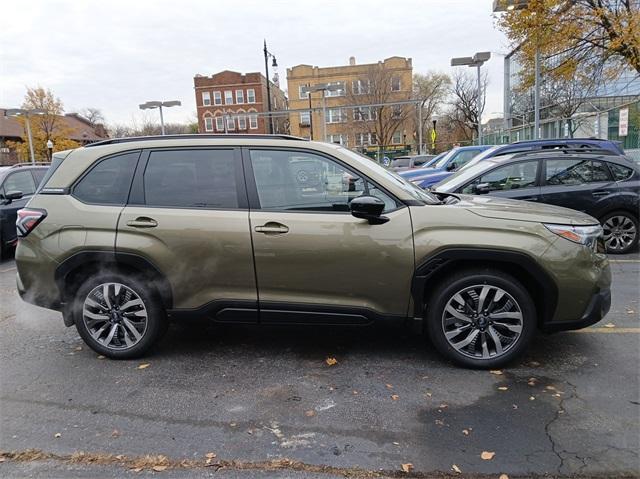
114,259
434,263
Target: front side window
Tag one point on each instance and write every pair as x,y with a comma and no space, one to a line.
191,179
228,97
463,157
239,96
217,98
575,171
109,181
208,124
206,98
251,95
20,181
300,181
507,177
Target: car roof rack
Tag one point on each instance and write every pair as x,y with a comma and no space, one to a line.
193,136
37,163
566,151
559,140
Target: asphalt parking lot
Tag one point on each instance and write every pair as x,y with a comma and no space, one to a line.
233,401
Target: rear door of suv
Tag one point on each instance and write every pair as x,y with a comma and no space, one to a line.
315,262
188,216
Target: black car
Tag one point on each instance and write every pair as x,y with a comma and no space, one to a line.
598,182
17,184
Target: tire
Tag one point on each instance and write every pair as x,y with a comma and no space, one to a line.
506,296
125,333
620,232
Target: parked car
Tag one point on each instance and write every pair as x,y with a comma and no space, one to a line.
17,184
452,161
402,163
127,234
603,185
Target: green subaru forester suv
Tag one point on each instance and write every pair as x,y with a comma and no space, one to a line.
126,235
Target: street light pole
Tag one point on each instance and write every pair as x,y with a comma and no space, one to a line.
150,105
268,54
26,113
477,60
28,124
479,103
310,117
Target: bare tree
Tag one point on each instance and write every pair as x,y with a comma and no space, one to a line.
432,89
377,86
464,104
94,115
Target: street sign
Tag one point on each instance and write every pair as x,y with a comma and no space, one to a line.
623,122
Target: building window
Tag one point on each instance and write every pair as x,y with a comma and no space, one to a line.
365,139
228,97
239,96
305,118
337,88
397,138
208,124
242,123
219,123
364,114
373,139
304,91
231,123
360,87
335,115
395,84
206,98
338,139
251,96
253,122
217,98
397,112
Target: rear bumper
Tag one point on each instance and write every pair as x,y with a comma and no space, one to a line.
597,309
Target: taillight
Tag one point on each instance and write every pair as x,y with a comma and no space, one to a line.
28,219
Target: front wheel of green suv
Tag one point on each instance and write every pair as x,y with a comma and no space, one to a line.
118,316
481,319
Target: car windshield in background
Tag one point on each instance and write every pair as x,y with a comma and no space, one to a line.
461,177
400,162
417,193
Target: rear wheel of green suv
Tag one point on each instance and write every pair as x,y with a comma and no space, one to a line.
118,316
481,319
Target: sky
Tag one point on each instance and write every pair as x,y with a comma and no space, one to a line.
115,54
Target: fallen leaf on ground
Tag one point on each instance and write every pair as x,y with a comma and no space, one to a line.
456,469
609,325
101,357
550,388
407,467
439,422
487,455
210,455
395,397
57,434
115,433
355,392
79,348
534,364
444,406
2,459
159,468
503,388
389,386
136,469
144,366
396,443
514,406
428,395
630,311
331,361
503,476
465,432
310,413
532,398
497,372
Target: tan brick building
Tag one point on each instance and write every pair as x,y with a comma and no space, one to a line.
348,86
232,102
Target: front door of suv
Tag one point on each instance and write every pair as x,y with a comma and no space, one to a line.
315,262
188,215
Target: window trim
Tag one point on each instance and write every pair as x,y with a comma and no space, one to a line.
252,188
137,196
72,189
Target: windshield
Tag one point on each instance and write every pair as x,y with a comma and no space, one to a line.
481,156
461,177
401,161
460,157
414,191
431,163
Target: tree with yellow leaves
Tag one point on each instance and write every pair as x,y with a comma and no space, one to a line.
576,37
45,127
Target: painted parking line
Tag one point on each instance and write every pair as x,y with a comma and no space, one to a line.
608,330
7,270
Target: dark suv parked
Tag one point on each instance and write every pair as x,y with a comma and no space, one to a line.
17,184
602,184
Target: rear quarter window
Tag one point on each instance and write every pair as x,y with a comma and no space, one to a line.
619,172
109,181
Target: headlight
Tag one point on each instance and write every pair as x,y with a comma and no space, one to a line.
586,235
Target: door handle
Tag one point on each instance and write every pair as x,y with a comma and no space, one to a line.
599,193
272,228
143,222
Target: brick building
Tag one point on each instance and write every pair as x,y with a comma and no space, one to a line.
232,102
352,85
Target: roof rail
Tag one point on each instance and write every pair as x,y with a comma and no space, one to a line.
192,136
37,163
566,151
591,138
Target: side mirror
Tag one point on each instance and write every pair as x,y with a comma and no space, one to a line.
11,196
451,166
482,189
368,208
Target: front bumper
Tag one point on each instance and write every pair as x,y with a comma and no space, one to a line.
597,309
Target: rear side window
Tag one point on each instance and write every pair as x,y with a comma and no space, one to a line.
574,171
20,181
191,179
39,176
109,181
620,173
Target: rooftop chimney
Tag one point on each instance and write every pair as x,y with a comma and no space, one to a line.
352,61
